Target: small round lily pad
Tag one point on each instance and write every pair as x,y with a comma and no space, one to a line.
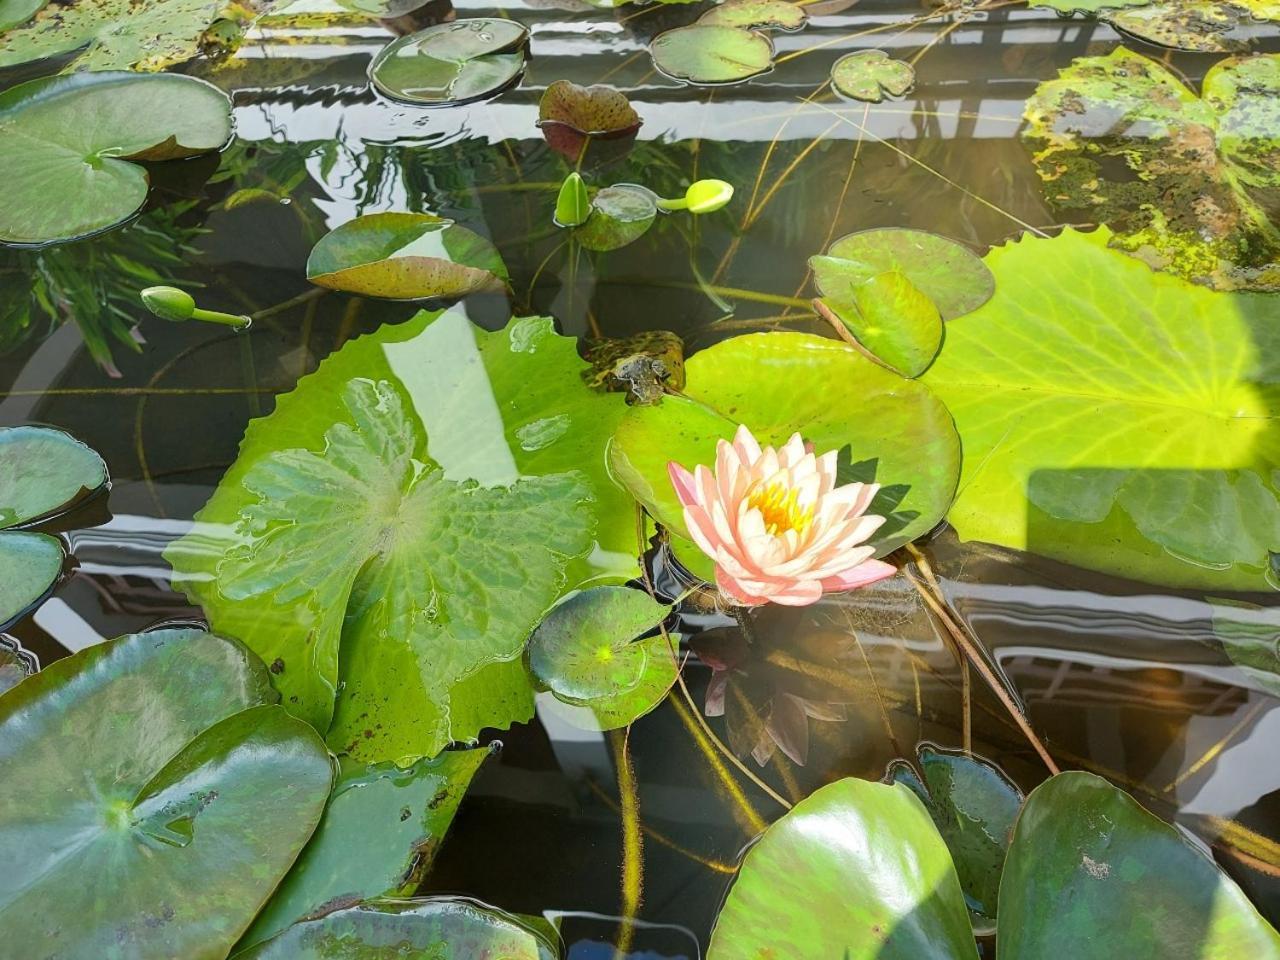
710,53
869,74
620,214
451,63
748,14
43,471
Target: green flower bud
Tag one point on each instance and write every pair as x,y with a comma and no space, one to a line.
573,206
169,303
703,196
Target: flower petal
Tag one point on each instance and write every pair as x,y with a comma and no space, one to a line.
867,572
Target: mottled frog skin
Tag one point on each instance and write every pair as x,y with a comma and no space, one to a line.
641,366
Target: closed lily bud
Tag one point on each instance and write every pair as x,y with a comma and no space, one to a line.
169,303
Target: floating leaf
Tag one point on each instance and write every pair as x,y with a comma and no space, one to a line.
1185,182
379,834
406,256
44,471
890,318
707,53
620,214
855,871
586,650
15,12
973,805
1086,392
439,928
451,63
778,14
437,488
571,117
1250,634
782,383
30,565
1091,873
161,760
870,74
112,35
66,143
945,271
16,664
1199,25
1068,7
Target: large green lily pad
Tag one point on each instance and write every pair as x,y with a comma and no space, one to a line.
900,433
425,497
973,805
1090,873
451,63
30,565
855,871
1116,418
111,34
161,761
44,471
440,928
406,256
710,53
870,74
948,273
1204,26
1185,182
378,837
66,143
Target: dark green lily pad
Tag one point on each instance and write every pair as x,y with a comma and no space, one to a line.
1058,420
586,647
451,63
378,837
948,273
973,805
438,928
1250,634
161,760
855,871
1203,26
44,471
1186,183
620,214
66,143
748,14
708,53
1090,873
782,383
870,74
30,565
424,497
113,34
406,256
893,320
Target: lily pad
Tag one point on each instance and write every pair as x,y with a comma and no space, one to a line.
709,53
451,63
1068,7
66,143
1203,26
439,928
948,273
44,471
378,837
162,760
973,805
16,664
620,214
406,256
30,565
111,34
586,648
890,318
1084,393
748,14
570,116
1185,182
1250,634
425,496
870,74
854,871
778,384
1091,873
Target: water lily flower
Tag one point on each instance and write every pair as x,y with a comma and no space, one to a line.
776,524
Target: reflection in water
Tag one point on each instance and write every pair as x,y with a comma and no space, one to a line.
1121,678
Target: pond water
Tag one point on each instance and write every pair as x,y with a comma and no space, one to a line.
1118,677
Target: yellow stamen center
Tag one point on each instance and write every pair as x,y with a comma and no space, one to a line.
780,508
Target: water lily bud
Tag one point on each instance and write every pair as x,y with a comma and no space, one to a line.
707,196
169,303
573,206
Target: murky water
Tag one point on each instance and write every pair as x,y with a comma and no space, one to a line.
1120,678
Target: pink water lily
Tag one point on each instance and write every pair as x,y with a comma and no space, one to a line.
776,524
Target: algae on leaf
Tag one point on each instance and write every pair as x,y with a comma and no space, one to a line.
1186,182
424,497
1117,418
